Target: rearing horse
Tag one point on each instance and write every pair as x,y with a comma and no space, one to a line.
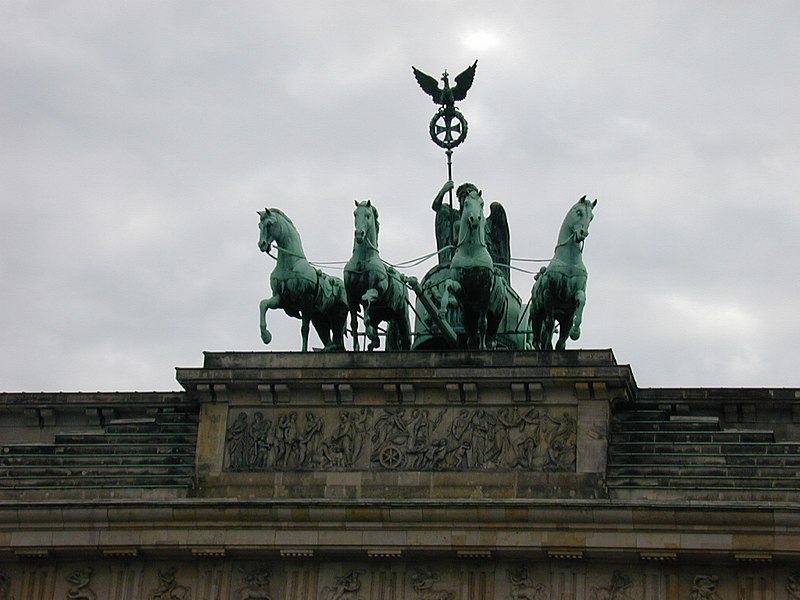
476,285
559,289
378,287
298,288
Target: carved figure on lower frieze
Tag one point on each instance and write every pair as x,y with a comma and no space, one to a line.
793,586
256,585
704,587
522,588
617,590
423,581
80,589
345,587
5,587
168,588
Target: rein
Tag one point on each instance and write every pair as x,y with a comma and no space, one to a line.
572,236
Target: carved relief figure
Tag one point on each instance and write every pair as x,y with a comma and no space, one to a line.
792,586
345,587
168,588
237,442
310,440
561,451
617,590
256,585
287,441
344,447
522,588
5,587
260,443
704,587
423,581
80,589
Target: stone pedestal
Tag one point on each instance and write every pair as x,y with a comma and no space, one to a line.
455,425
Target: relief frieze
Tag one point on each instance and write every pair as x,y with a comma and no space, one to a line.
793,586
398,439
5,587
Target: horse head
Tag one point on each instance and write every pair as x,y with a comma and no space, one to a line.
576,223
275,226
267,226
472,219
366,221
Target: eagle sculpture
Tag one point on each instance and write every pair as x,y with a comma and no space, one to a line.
446,95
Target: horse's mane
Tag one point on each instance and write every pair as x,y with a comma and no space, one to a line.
283,215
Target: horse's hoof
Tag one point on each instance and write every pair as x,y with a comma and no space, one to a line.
574,333
266,336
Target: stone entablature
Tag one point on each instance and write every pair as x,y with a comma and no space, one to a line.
394,550
405,425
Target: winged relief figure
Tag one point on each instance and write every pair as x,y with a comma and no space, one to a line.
446,95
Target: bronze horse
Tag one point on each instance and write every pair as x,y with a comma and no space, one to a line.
376,286
298,288
559,289
477,286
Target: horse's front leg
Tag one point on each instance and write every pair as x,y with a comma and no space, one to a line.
263,307
354,327
564,325
305,320
580,302
370,296
482,327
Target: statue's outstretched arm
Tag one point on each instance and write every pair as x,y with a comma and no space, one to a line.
437,202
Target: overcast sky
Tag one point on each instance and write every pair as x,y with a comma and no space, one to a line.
139,139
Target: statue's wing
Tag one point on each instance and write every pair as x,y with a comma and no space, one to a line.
464,82
429,85
498,239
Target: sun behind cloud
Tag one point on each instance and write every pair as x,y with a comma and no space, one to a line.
480,39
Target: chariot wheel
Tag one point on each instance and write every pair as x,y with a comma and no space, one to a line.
448,128
391,457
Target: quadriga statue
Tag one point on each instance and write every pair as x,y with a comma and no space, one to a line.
301,290
559,289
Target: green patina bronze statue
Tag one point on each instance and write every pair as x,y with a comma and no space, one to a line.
478,288
559,289
470,288
448,127
466,300
376,286
298,288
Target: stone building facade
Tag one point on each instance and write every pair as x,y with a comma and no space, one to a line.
402,476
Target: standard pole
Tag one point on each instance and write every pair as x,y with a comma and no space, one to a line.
449,153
